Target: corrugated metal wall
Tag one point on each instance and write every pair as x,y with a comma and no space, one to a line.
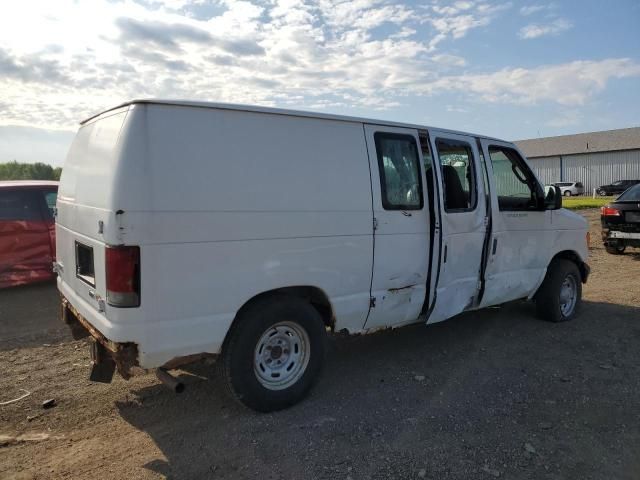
595,169
592,169
547,169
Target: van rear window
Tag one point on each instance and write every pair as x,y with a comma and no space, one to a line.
84,264
18,205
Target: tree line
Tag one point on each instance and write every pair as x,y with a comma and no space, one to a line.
29,171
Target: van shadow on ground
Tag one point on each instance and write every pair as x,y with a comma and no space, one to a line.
30,316
454,399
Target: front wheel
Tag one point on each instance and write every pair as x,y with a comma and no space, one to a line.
602,193
560,294
567,193
274,353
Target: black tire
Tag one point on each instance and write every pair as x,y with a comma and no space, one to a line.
567,193
602,193
617,250
237,363
548,304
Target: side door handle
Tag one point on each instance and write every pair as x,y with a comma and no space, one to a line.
495,246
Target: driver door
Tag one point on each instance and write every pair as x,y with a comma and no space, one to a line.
520,234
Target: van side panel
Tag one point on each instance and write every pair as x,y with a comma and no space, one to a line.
226,205
245,203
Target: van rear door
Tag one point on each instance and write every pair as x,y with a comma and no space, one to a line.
464,223
86,209
401,226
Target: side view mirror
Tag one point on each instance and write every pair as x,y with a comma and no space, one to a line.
552,197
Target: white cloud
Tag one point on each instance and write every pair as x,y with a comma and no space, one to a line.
458,19
536,8
537,30
570,84
77,59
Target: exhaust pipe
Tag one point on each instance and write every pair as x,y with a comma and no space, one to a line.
169,380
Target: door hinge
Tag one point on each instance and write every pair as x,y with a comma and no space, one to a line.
479,285
375,223
372,302
486,221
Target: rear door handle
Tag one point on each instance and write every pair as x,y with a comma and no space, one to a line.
495,246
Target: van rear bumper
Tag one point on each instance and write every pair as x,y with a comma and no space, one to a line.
106,355
141,346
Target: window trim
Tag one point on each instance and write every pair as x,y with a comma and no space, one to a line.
527,171
378,137
474,193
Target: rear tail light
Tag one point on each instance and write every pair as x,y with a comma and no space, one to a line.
609,212
123,276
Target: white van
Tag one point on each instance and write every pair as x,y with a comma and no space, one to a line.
187,229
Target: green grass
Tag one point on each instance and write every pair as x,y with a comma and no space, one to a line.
577,203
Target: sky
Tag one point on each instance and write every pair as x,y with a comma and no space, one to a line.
510,69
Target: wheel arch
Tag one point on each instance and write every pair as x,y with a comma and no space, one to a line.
311,294
574,257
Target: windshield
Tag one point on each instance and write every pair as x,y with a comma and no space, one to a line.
631,195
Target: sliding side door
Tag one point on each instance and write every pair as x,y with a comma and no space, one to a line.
401,226
464,223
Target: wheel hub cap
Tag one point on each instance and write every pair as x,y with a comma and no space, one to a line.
281,355
568,295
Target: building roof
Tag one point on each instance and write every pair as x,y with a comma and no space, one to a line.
276,111
28,183
607,141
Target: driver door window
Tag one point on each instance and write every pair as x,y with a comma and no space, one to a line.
515,186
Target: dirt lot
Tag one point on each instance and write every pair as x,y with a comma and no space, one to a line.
489,394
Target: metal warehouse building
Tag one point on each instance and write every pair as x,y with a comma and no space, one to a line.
595,159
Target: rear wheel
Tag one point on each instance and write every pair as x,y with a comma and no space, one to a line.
602,193
274,353
567,193
615,250
560,294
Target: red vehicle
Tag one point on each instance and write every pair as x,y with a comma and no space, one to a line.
27,231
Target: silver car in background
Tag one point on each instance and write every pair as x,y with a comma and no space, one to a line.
570,188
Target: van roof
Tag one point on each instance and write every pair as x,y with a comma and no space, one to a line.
277,111
28,183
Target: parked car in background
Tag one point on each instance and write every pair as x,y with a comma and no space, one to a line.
621,222
616,188
570,188
27,231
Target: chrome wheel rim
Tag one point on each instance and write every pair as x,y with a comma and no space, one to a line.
568,295
281,355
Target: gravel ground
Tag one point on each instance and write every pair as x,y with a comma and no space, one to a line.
490,394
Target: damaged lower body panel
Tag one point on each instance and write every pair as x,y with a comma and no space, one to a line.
106,355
